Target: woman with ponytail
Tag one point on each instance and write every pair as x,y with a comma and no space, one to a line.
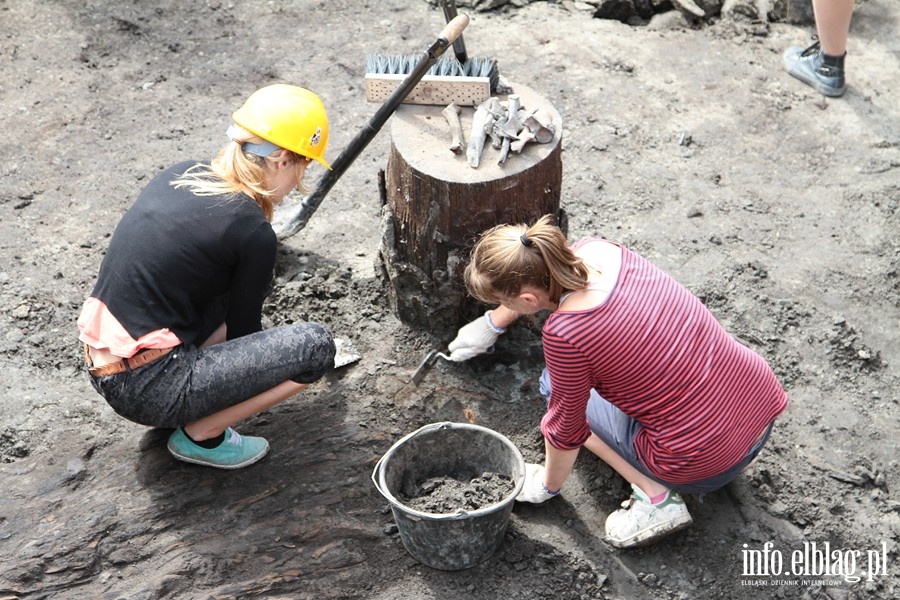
172,331
638,371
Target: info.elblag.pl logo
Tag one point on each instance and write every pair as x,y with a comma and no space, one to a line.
814,563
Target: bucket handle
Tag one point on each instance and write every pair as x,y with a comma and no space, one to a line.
375,477
430,427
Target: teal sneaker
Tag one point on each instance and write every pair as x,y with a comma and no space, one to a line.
234,452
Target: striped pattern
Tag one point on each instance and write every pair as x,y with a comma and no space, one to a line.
653,350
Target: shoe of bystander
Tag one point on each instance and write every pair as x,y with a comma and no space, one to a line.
815,68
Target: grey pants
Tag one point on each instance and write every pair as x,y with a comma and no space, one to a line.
191,383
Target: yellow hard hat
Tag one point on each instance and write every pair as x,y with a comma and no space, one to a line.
288,116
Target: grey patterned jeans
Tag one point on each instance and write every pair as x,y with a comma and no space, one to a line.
190,383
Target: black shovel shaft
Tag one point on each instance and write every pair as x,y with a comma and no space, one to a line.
308,206
459,46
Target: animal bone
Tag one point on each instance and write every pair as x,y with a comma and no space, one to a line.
500,116
482,124
508,128
540,123
481,121
525,136
504,150
495,107
689,8
451,113
511,125
496,138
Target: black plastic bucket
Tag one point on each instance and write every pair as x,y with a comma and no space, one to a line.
460,540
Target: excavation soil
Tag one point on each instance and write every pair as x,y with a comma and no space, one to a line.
779,208
450,494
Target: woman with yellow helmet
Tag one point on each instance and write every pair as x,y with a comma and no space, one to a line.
172,330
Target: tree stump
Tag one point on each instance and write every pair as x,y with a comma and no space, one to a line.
435,205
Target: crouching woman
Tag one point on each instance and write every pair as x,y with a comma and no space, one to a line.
638,371
172,330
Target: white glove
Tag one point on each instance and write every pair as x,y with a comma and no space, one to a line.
534,491
475,338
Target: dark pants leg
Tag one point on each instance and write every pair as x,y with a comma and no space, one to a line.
191,383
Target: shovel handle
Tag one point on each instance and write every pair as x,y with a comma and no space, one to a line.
454,28
301,215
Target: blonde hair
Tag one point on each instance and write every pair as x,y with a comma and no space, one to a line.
234,171
508,257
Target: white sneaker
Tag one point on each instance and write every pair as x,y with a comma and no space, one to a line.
639,522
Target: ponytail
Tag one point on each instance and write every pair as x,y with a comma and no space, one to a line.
235,171
508,257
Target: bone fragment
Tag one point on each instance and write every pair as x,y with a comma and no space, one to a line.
511,126
495,107
504,150
525,136
482,123
540,123
496,138
499,113
689,8
451,113
508,128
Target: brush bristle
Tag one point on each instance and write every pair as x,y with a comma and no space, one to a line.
447,66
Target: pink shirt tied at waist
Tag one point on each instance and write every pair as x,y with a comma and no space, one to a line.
654,351
101,330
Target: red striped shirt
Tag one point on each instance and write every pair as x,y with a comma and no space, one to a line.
653,350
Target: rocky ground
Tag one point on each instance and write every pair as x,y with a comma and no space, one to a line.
779,208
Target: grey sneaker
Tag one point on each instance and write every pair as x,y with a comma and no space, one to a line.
234,452
639,522
810,66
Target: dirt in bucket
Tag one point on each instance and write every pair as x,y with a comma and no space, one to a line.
446,494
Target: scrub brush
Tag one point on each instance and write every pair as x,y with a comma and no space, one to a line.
462,80
448,81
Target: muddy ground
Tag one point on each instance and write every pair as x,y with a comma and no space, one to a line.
690,144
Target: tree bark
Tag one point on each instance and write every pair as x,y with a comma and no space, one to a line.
435,206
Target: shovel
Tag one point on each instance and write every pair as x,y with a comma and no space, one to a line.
426,364
299,217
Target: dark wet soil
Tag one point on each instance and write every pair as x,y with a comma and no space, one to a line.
447,495
691,145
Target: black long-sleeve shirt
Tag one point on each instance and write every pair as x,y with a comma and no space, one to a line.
174,253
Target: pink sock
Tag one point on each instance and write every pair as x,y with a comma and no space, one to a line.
659,498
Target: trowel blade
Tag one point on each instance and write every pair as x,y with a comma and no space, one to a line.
426,363
424,366
345,353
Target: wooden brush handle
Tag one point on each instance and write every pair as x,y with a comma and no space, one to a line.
454,28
